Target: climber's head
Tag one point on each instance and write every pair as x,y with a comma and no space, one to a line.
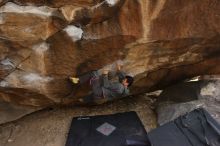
127,81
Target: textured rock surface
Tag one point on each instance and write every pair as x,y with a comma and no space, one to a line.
159,42
50,128
10,112
178,100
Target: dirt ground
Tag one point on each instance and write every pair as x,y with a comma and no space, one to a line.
49,127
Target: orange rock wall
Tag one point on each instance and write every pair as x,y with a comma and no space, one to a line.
159,42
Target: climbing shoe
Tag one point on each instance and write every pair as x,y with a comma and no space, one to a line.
74,80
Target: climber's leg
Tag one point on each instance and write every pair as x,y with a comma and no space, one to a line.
84,78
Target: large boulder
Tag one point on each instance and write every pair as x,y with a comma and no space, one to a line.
159,42
182,98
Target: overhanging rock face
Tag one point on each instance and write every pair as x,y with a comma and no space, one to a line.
159,42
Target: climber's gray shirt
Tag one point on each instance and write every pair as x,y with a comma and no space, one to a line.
114,89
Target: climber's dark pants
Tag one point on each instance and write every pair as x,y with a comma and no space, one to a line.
94,80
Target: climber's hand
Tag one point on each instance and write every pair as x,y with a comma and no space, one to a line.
118,66
105,72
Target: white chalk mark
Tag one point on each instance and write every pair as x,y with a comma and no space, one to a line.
4,84
112,2
7,62
41,48
36,78
74,32
109,2
14,8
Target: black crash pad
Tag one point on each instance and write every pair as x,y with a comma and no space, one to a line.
121,129
196,128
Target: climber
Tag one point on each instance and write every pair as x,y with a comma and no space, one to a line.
104,89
